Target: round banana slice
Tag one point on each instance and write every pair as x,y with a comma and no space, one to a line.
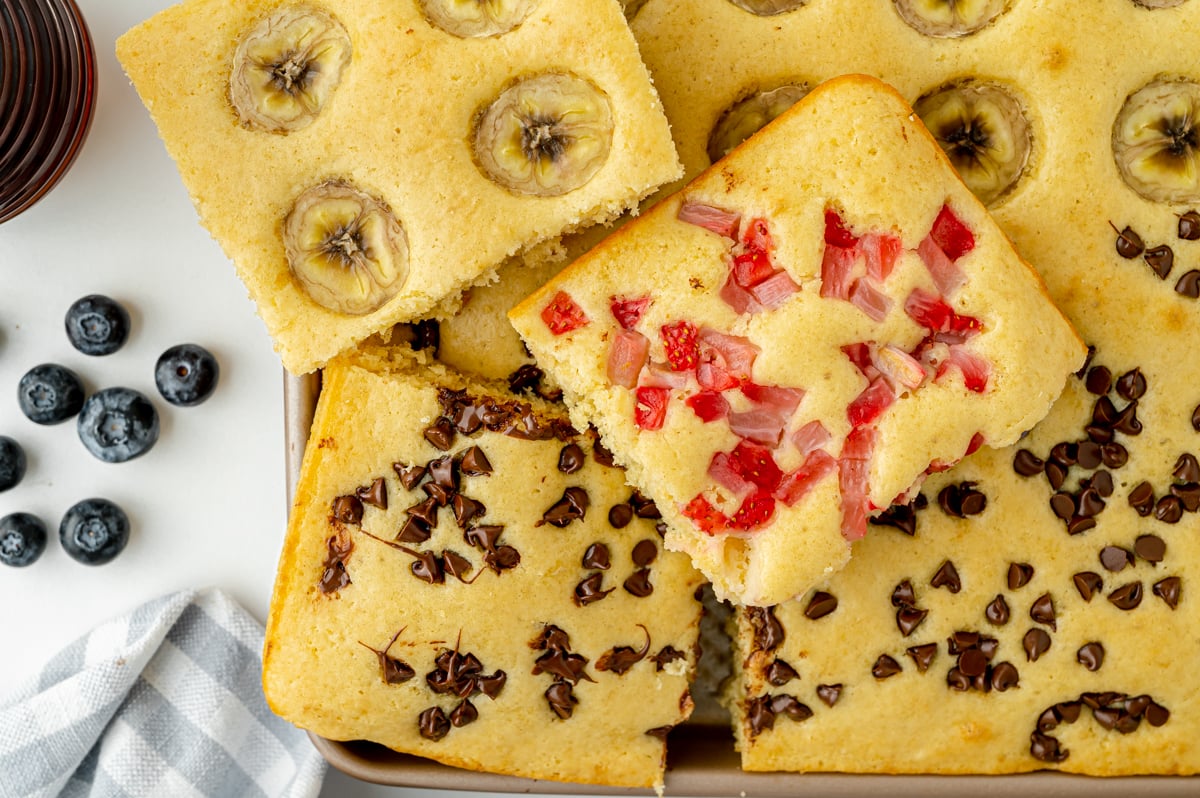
474,19
768,8
286,69
984,131
744,118
345,248
947,19
545,135
1156,141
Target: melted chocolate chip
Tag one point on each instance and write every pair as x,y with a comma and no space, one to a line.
1099,380
1127,596
562,665
829,693
898,516
561,699
438,493
1115,558
428,568
922,655
1056,474
962,500
1189,284
588,591
463,714
1036,643
909,618
426,334
768,631
644,553
820,605
334,575
525,378
1129,243
1188,495
440,434
571,458
1161,259
619,516
1005,676
425,511
347,509
997,612
467,418
571,507
374,494
475,463
1042,610
1189,226
1046,749
1079,524
1090,503
885,667
466,510
1090,656
410,476
491,685
1026,463
957,680
1088,455
1169,509
502,558
666,656
620,659
1169,590
903,595
780,673
644,507
759,715
1019,574
638,584
456,565
1141,498
947,577
1088,583
432,724
1150,548
601,454
1104,412
1114,455
484,536
790,706
1187,469
596,558
1127,420
1102,482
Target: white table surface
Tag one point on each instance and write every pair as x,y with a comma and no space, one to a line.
207,503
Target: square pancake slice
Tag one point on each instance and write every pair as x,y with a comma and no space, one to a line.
794,340
467,578
362,162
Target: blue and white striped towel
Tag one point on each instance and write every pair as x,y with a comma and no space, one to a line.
166,701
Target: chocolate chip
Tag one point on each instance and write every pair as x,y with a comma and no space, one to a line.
1019,574
466,509
440,434
561,699
1036,643
1102,482
1168,590
638,584
1065,453
922,655
820,605
1056,474
1127,597
1169,509
1099,380
1189,226
502,558
768,631
1026,463
790,705
1188,495
947,577
909,618
1063,505
644,507
619,516
425,512
972,662
1005,677
1129,243
1090,656
438,493
601,454
428,568
572,506
563,665
1090,503
475,463
1088,455
829,693
334,577
1088,583
410,476
1115,558
444,472
588,591
760,715
456,565
484,536
1046,749
644,553
1042,610
347,509
1150,548
898,516
884,667
491,685
1079,524
1104,412
596,558
972,501
1157,715
1114,455
1100,435
620,659
1141,498
525,378
426,334
957,680
1189,284
997,612
1161,259
903,595
666,656
432,724
1127,420
780,673
1187,469
374,494
394,671
571,458
961,640
463,714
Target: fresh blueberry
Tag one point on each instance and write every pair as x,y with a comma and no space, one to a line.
94,531
22,539
186,374
49,394
118,424
96,325
12,463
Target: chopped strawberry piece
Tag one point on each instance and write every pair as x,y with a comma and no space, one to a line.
761,425
706,517
728,475
952,236
756,236
837,267
938,466
836,232
651,408
867,297
725,360
870,404
795,484
562,315
932,313
774,291
738,298
861,356
755,464
946,275
752,267
900,368
756,511
811,437
708,406
977,440
626,356
786,400
715,377
680,342
975,369
722,222
628,312
881,251
854,470
660,375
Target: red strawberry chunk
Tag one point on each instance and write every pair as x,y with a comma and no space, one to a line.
861,356
866,296
869,405
854,470
952,236
755,464
774,291
881,251
761,425
946,275
756,236
725,360
785,400
708,406
722,222
628,312
660,375
562,314
837,267
706,517
713,376
726,474
977,440
931,312
651,408
626,356
752,267
975,370
756,510
738,298
901,369
680,340
836,232
811,437
796,484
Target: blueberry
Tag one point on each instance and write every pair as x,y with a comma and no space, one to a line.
12,463
22,539
118,424
96,325
49,394
186,374
94,531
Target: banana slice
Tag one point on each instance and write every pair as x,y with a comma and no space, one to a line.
473,19
984,131
287,68
744,118
768,8
545,135
948,18
345,248
1156,141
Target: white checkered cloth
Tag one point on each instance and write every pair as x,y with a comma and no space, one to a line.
166,701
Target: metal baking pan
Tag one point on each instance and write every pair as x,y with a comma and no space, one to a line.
701,757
